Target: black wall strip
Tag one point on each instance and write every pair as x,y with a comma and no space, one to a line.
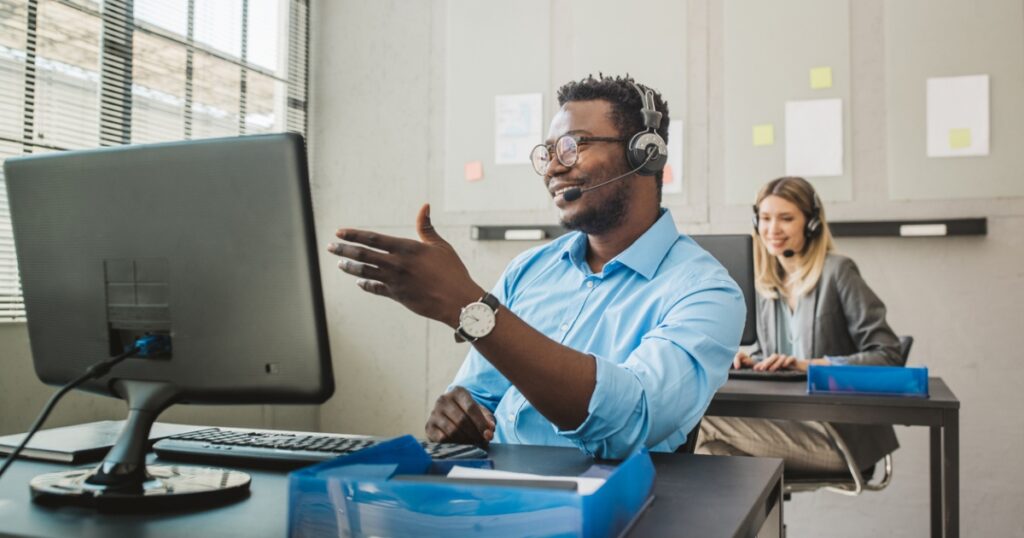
880,228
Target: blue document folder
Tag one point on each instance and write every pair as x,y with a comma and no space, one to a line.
354,496
869,380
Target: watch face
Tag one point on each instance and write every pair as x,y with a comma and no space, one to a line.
477,320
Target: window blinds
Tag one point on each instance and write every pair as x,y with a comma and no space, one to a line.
86,73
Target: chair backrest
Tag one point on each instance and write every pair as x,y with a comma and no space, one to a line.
906,342
691,440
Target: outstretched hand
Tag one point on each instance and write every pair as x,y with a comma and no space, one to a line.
426,276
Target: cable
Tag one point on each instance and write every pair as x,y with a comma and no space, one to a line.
144,347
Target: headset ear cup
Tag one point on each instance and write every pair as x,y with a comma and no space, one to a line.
755,221
636,154
813,227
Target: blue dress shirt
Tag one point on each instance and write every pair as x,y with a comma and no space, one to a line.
663,321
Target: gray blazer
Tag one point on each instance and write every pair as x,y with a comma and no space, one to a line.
846,321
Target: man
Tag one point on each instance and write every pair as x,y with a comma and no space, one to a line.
610,338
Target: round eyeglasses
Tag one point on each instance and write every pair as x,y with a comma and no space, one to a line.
566,149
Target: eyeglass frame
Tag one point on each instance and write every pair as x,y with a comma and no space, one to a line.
579,139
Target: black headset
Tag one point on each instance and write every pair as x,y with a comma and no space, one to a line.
812,228
647,151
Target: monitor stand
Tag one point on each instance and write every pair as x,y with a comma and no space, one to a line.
123,481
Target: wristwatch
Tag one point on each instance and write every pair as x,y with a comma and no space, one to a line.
477,319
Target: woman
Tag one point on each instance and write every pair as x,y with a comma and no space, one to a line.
813,308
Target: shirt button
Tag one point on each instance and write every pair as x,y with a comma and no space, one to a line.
565,328
590,283
511,417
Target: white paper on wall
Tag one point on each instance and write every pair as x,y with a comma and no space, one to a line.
517,127
957,116
675,158
814,138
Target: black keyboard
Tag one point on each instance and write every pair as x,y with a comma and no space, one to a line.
283,449
768,375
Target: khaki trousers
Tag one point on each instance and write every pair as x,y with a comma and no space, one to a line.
804,445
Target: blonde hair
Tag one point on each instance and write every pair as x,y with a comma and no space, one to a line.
769,276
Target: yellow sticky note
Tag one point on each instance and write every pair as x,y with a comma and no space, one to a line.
474,170
959,138
764,135
666,174
821,78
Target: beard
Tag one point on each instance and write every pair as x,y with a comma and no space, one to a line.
598,220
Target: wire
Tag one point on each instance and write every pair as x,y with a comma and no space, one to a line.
144,346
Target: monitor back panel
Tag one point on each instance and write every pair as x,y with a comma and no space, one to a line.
736,254
208,241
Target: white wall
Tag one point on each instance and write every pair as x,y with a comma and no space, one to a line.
377,143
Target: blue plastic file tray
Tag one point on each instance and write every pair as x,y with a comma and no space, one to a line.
869,380
352,496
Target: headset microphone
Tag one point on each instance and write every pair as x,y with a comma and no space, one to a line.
574,193
788,253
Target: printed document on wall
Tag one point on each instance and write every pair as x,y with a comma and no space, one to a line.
814,138
958,116
517,127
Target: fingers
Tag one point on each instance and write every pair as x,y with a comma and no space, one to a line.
473,410
424,228
361,254
433,433
741,360
489,435
375,287
378,241
776,361
446,429
767,362
453,420
360,269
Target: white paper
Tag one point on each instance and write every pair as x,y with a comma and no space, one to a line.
957,103
585,485
517,127
675,158
814,138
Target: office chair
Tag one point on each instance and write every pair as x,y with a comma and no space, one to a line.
856,481
691,441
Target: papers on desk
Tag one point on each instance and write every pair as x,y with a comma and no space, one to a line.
584,485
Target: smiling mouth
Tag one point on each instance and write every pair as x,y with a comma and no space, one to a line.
562,190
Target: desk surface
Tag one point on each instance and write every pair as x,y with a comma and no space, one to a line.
789,400
694,496
749,390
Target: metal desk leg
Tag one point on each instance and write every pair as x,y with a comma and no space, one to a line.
951,472
935,464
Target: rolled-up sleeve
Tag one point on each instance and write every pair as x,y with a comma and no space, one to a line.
661,391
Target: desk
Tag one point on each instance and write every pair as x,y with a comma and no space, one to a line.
940,412
703,496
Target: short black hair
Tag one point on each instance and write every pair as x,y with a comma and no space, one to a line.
625,101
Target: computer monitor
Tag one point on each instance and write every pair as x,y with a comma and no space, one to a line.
209,243
736,254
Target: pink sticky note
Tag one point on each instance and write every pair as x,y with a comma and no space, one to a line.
474,171
667,175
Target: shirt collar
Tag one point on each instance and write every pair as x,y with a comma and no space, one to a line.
645,254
